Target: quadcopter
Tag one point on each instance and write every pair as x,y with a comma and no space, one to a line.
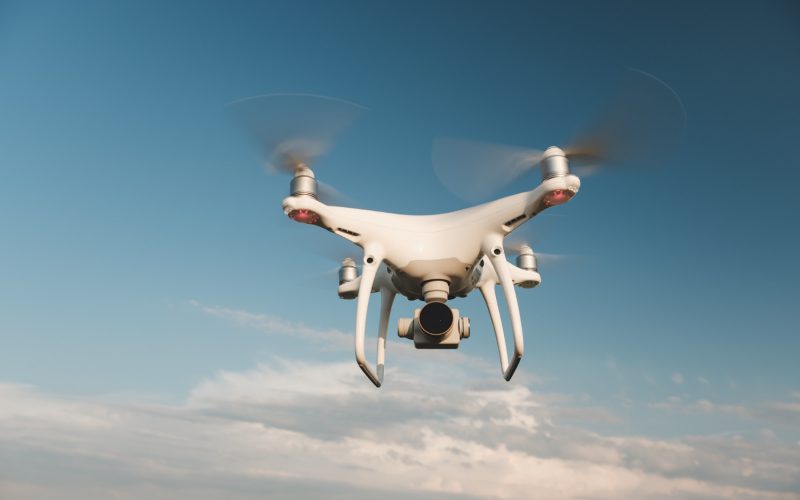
439,258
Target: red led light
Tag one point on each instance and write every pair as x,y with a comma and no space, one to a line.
557,197
304,216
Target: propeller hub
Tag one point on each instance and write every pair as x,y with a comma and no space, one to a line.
348,272
526,258
303,183
554,163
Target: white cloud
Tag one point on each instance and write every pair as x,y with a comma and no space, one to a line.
289,429
326,339
677,378
780,413
272,324
294,430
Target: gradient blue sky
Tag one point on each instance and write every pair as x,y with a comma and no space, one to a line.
137,227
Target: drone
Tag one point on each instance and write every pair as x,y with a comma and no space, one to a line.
439,258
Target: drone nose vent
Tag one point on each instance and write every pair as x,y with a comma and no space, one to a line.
558,197
304,216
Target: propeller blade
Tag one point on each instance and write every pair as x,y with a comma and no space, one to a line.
475,170
541,257
642,125
293,130
530,235
323,280
332,250
329,247
550,258
331,196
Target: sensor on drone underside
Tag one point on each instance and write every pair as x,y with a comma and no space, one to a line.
434,326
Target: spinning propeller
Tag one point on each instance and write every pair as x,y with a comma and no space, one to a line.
641,126
522,241
293,131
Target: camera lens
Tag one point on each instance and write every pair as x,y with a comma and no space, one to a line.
435,318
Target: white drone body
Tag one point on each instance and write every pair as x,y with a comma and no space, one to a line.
435,258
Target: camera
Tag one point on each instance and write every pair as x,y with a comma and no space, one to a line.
435,326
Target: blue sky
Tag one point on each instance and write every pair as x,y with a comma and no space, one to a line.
145,259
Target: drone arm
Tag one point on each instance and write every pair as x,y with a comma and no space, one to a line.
507,214
372,263
493,248
523,275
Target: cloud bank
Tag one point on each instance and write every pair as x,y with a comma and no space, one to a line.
292,430
289,429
